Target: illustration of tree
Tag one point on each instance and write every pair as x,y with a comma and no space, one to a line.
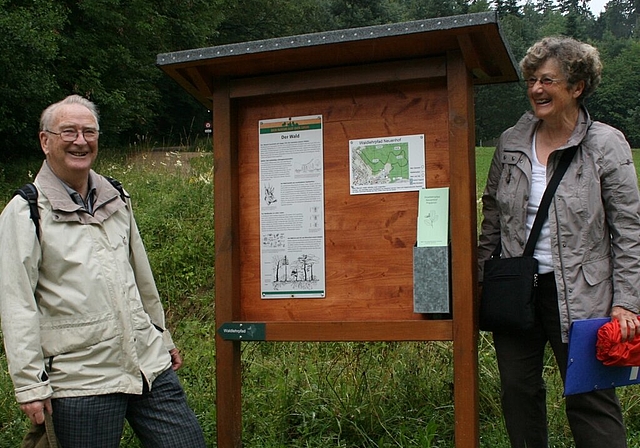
304,260
307,262
277,260
285,263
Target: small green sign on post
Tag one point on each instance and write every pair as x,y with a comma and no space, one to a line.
242,331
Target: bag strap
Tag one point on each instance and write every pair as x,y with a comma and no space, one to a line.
51,434
543,209
30,193
118,186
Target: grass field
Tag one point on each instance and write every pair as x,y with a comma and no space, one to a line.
294,394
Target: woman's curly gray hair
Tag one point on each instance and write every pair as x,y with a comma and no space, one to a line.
578,61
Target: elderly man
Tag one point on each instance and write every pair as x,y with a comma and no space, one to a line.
84,328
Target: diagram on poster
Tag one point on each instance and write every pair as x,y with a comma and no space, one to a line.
292,259
387,164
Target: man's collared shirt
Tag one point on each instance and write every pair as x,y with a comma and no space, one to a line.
77,198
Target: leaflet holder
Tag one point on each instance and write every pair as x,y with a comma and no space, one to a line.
432,281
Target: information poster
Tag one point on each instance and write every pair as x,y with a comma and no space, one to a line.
387,164
292,259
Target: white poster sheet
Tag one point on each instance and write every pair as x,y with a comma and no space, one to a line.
292,258
387,164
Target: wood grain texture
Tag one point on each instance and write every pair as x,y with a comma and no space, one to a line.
368,238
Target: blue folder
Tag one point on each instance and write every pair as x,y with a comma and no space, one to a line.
585,372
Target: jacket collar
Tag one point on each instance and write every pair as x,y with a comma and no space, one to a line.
582,126
52,187
524,130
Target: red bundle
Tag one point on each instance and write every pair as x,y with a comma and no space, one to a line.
611,351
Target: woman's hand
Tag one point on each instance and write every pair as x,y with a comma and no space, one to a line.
629,322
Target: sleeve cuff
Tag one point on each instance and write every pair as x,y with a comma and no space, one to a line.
37,392
168,340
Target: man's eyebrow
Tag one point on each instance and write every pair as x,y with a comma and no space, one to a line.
74,125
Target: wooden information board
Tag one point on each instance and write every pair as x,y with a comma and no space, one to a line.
412,78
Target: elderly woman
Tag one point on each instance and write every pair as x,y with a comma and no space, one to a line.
588,250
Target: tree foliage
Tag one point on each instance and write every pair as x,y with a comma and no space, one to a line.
28,50
102,49
617,100
106,50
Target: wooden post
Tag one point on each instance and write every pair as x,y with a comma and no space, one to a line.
228,365
463,266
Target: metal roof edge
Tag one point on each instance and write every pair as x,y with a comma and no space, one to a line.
335,36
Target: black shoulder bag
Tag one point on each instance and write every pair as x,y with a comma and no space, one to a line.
507,303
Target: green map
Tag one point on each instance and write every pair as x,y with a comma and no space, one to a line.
387,162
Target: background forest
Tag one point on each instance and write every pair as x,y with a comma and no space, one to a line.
106,50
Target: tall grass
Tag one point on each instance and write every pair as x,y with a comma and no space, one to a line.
320,395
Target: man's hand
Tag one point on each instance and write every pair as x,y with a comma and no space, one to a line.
176,359
35,410
629,323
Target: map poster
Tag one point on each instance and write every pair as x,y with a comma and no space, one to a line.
292,259
387,164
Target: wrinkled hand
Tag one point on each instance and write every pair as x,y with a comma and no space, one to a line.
629,322
176,359
35,410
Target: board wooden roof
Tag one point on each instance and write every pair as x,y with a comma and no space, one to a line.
478,36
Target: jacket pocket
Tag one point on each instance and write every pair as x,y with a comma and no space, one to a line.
66,335
597,271
140,319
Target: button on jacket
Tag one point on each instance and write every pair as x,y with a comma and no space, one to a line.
80,311
594,216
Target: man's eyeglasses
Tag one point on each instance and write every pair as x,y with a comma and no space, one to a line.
546,81
70,135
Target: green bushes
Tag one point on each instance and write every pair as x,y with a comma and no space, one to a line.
346,394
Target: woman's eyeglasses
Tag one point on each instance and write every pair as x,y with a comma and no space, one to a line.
545,81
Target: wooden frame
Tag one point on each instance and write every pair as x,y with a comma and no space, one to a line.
402,79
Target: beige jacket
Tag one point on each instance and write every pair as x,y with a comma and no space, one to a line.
594,217
78,310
